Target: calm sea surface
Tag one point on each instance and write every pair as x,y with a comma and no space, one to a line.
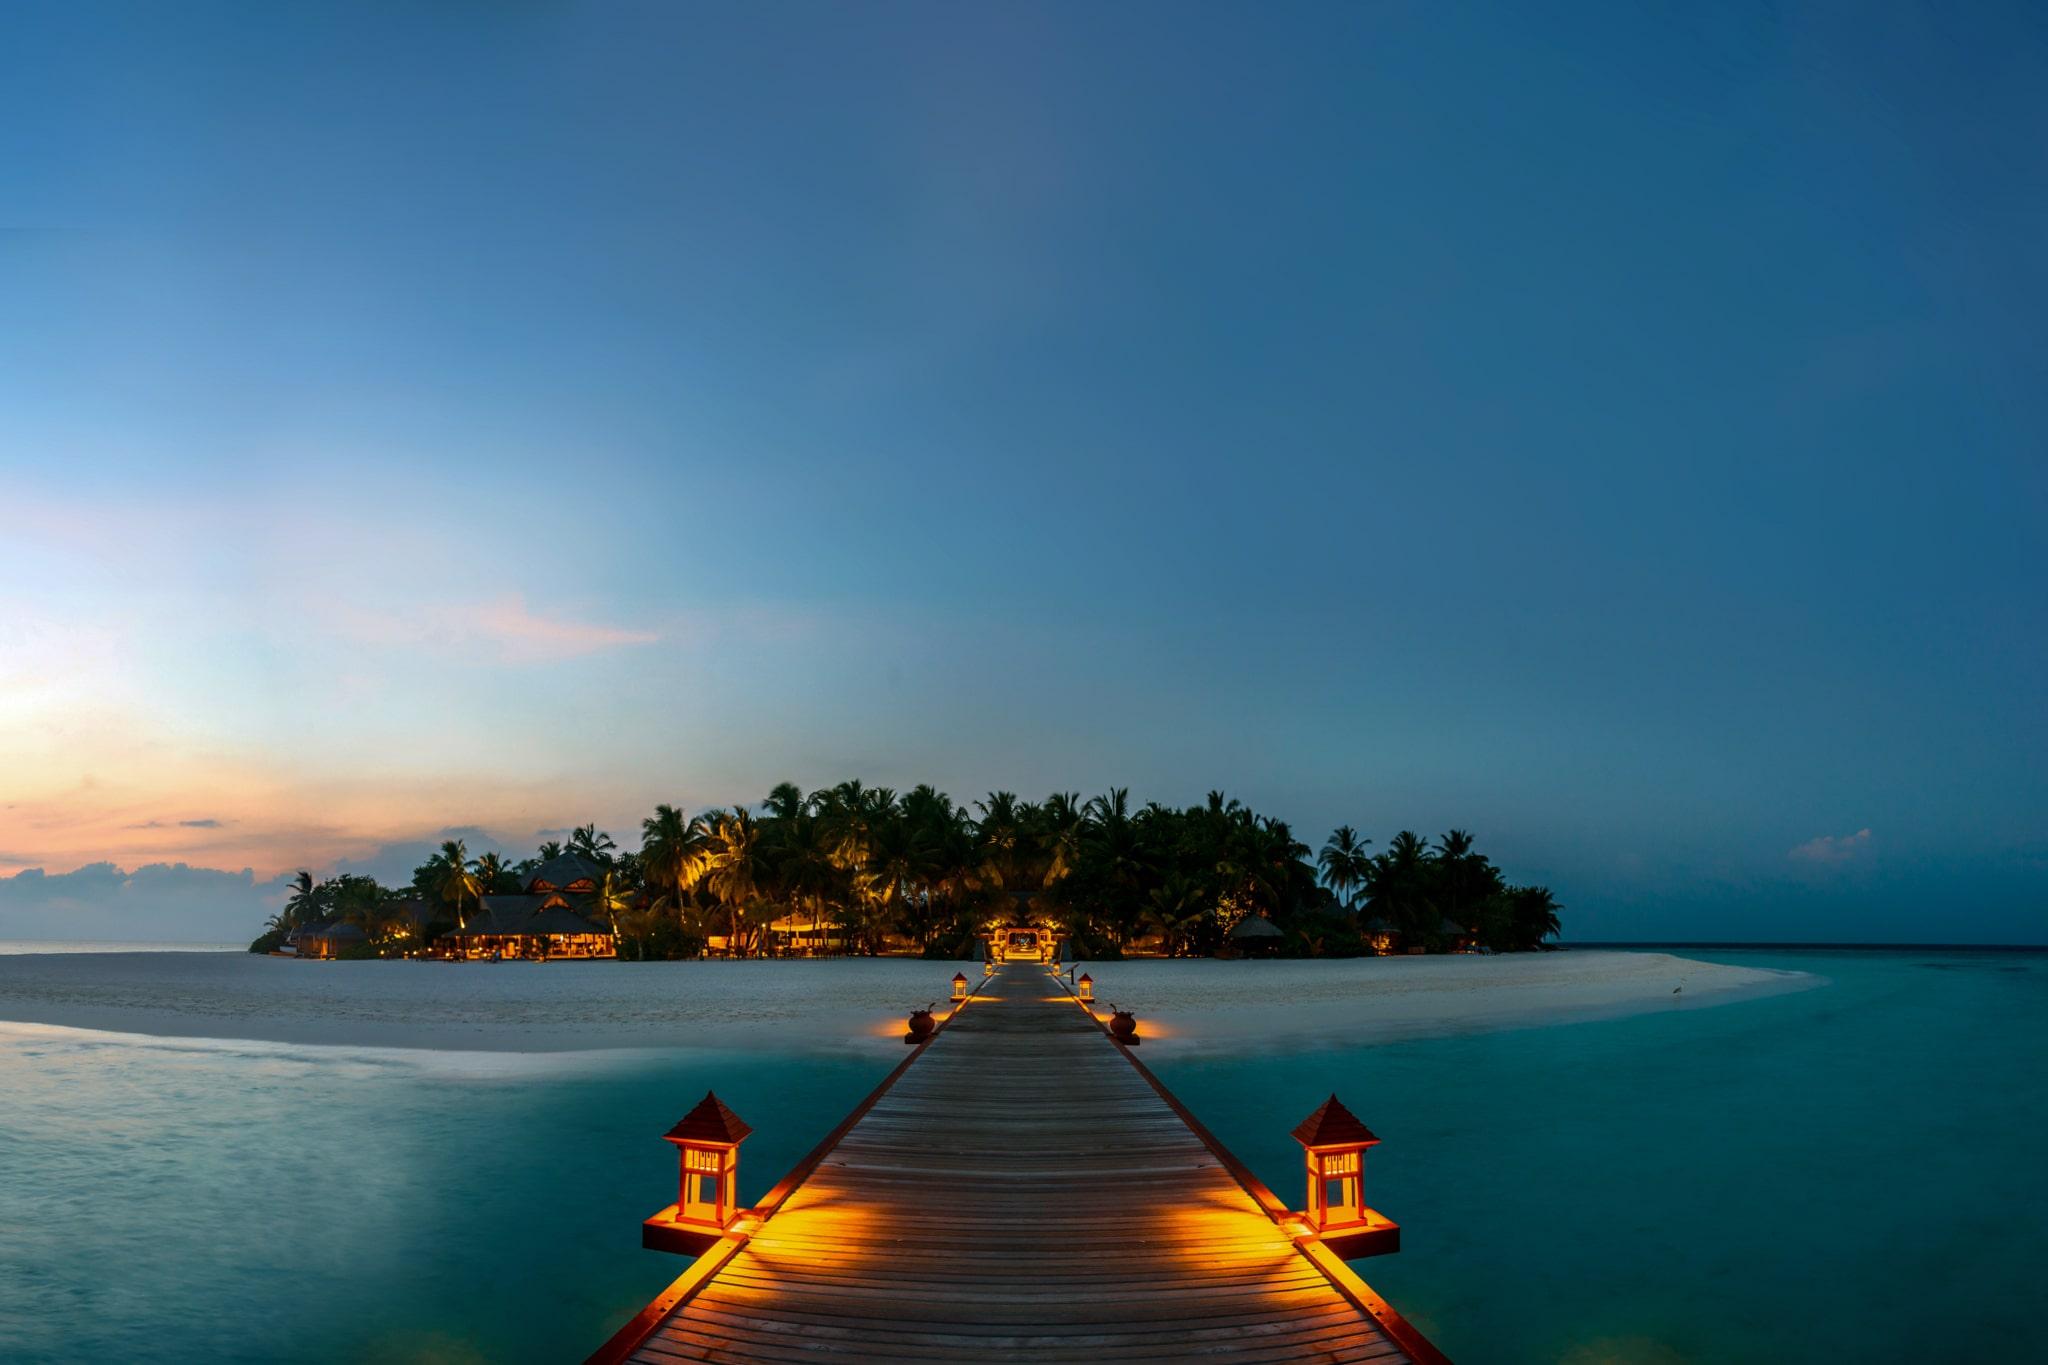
1847,1173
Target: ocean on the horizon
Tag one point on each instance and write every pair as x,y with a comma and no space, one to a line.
18,947
1845,1173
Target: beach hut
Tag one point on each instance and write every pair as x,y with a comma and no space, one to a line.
806,935
294,943
1256,934
539,927
1457,938
1380,936
332,939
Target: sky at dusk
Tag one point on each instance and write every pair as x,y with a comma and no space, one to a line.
1621,434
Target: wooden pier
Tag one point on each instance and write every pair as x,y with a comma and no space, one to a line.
1021,1188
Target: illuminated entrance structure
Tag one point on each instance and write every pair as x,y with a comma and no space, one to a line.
1020,943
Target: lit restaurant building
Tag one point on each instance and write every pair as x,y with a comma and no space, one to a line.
540,925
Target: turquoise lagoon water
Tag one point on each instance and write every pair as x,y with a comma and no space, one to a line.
1853,1172
1847,1173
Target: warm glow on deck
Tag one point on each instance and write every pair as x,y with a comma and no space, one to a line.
963,1202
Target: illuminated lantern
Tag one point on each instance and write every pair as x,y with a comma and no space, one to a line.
1335,1141
959,985
707,1195
988,966
1085,988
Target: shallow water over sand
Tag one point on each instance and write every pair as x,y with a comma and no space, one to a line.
1795,1175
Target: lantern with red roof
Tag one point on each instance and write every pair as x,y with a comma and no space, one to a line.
707,1143
1335,1140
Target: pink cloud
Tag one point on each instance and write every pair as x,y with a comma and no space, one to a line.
1830,849
525,635
516,632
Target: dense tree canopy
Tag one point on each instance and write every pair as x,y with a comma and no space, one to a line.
868,869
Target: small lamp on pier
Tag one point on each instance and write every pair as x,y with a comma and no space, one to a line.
707,1143
1335,1141
959,985
1085,989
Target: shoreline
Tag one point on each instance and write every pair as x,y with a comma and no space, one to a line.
820,1007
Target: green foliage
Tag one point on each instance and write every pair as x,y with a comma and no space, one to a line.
871,870
269,941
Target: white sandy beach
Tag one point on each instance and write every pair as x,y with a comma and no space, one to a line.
1208,1006
832,1005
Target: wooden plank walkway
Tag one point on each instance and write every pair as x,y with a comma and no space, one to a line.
1025,1191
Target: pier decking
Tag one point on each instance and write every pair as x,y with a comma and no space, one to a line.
1022,1189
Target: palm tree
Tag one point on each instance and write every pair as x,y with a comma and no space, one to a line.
1344,863
671,849
592,843
489,868
638,922
801,854
1532,915
1399,887
785,802
548,851
302,907
894,863
1276,865
456,880
732,866
609,900
1001,837
1056,826
373,913
1112,858
1174,910
1466,882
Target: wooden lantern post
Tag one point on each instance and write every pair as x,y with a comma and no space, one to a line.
1335,1142
707,1143
1085,989
959,985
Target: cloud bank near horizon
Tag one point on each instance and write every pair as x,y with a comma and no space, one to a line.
156,903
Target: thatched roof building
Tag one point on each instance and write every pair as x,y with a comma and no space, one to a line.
536,925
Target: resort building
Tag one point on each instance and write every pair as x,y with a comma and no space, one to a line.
329,940
540,925
1256,936
1380,936
409,923
801,935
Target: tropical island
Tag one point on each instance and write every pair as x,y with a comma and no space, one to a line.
859,870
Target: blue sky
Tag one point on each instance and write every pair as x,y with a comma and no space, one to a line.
1619,433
